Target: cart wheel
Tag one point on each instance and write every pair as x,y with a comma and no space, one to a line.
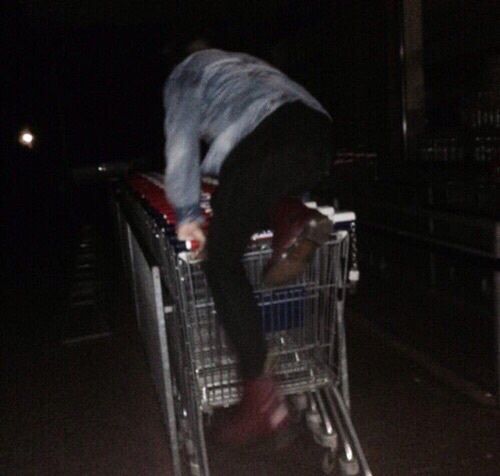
348,468
195,468
189,446
299,401
313,420
329,462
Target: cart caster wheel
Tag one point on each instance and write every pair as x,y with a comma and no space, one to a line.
314,422
189,446
329,462
348,468
299,401
195,468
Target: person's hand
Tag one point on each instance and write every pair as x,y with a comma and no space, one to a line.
192,231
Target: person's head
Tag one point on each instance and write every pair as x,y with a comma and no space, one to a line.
199,44
178,50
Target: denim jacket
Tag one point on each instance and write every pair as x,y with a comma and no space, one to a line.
219,98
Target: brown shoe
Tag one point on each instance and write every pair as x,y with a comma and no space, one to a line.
298,232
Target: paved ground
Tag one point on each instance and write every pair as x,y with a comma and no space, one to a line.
90,409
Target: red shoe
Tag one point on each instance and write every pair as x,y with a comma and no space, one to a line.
298,232
261,413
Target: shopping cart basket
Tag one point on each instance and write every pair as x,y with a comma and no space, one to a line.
194,366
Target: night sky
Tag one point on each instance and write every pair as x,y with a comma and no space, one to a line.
88,75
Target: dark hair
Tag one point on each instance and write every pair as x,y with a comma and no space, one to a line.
175,51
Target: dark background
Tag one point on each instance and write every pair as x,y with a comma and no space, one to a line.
93,74
87,78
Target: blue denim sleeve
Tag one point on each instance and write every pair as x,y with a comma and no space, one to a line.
182,154
189,214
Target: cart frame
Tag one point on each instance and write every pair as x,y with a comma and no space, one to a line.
194,368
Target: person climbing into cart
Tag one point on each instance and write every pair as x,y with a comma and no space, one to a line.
268,141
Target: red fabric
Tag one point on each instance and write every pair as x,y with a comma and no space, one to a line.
261,412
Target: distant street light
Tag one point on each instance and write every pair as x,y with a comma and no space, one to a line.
27,139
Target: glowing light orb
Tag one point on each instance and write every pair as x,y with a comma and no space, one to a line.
26,138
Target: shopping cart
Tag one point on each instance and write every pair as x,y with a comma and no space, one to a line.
194,366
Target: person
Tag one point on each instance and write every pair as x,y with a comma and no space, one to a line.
268,141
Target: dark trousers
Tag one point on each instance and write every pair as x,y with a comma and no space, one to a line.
287,154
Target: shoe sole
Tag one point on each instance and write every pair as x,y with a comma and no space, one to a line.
298,256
